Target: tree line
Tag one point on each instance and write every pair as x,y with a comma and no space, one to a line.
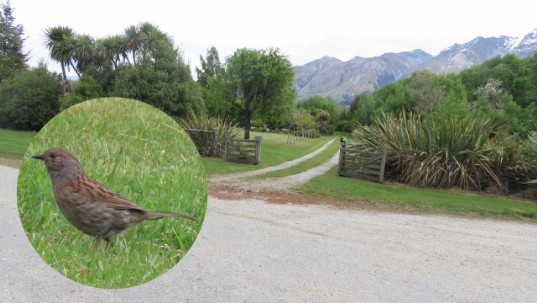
504,88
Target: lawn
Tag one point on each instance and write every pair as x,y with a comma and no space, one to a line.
419,199
275,149
322,157
13,143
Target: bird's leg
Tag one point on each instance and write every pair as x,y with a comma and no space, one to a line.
107,243
95,243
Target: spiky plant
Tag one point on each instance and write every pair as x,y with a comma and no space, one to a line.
201,129
448,152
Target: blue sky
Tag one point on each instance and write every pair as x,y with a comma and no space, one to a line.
303,30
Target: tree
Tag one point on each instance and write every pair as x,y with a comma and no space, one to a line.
326,103
85,88
12,58
111,51
211,78
60,42
29,99
492,92
424,89
160,76
84,53
211,68
324,109
262,80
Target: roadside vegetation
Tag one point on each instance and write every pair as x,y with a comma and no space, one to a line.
399,197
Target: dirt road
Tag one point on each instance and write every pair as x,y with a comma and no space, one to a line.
252,251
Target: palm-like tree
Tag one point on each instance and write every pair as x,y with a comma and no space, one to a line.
84,53
59,41
133,41
112,50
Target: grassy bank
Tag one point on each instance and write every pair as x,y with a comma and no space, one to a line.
13,143
419,199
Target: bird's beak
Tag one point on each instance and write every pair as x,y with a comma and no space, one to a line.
40,157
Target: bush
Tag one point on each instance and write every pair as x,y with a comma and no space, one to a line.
85,88
451,152
29,100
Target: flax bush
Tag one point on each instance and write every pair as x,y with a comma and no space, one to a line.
449,151
204,140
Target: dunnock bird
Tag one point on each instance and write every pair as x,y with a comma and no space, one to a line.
88,205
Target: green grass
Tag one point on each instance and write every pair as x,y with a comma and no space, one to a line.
274,150
14,143
137,151
420,199
305,165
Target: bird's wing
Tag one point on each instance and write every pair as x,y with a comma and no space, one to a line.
114,200
119,202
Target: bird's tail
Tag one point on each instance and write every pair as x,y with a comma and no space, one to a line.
154,215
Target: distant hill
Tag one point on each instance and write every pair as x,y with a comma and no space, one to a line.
329,76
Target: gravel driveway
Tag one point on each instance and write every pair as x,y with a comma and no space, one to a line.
252,251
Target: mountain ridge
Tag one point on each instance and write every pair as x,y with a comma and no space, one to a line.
342,80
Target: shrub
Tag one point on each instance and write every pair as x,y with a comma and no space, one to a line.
29,100
449,152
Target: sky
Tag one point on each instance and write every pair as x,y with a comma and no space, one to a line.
302,30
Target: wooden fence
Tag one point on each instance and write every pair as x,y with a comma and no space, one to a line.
243,151
358,161
299,135
206,141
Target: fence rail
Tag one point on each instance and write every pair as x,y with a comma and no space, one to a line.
358,161
206,141
243,151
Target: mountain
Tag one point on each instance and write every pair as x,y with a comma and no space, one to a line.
341,80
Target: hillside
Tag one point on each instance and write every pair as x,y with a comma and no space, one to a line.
343,80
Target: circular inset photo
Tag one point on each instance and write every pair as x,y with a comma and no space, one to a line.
112,193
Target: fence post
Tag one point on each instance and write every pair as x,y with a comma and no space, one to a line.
215,142
341,161
382,167
226,148
258,149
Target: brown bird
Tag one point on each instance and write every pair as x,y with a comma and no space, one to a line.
88,205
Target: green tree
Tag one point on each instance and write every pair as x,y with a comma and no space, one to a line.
325,103
12,58
262,80
211,68
216,92
112,51
29,99
60,43
85,88
85,53
160,76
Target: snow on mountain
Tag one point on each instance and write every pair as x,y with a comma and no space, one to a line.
343,80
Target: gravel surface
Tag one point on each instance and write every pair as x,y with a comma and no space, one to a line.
253,251
239,182
227,178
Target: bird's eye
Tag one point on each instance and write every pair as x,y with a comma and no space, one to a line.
53,156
